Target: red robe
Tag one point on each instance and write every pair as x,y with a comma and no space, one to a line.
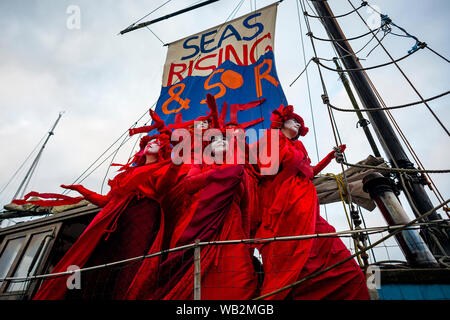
291,207
219,194
127,191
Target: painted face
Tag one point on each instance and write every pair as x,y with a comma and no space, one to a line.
152,147
202,124
219,144
292,125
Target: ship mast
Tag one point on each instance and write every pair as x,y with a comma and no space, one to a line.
385,133
24,184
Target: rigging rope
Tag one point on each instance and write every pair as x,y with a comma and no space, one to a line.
23,163
330,113
317,60
325,99
363,4
309,93
318,273
416,158
401,71
310,34
396,169
413,225
393,107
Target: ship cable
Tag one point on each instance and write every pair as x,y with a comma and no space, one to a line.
433,186
309,93
320,272
326,101
422,44
413,225
392,107
428,179
363,4
337,138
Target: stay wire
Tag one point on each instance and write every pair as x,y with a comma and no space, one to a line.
393,107
317,60
309,92
23,163
232,14
336,136
320,272
148,14
363,4
413,225
416,158
77,180
403,73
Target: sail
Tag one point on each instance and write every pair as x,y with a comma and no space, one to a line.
234,62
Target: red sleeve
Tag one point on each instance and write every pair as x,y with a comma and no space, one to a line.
196,179
168,179
95,198
323,163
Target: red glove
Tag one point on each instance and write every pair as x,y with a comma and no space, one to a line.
95,198
214,114
276,120
157,122
326,161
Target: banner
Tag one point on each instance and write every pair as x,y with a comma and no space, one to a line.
234,62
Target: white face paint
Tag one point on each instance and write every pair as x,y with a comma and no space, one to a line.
219,145
152,147
292,126
202,124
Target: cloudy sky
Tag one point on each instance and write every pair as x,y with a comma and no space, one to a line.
105,82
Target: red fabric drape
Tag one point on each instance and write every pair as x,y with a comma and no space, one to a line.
215,214
346,282
135,182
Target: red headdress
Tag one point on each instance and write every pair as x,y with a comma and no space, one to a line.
284,113
139,158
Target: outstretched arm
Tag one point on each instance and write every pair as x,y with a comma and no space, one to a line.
211,101
95,198
168,179
195,179
326,161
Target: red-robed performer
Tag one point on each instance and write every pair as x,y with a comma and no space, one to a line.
129,225
290,207
219,199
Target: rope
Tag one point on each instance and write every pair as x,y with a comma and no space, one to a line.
338,40
422,45
77,180
318,273
309,93
325,97
343,189
155,36
306,67
395,169
393,107
345,233
154,10
439,55
336,134
317,60
23,163
363,4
